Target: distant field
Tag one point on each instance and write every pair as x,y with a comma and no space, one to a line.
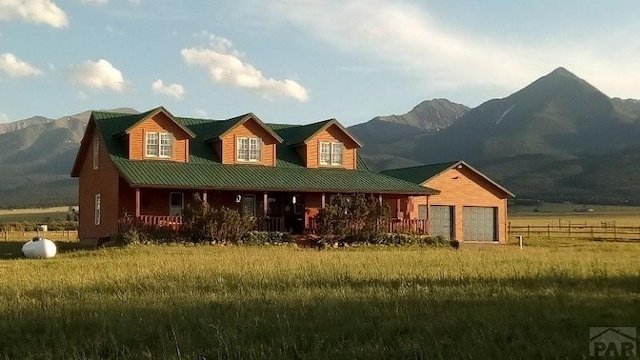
34,215
554,214
210,302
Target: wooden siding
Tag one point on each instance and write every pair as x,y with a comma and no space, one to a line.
103,181
159,123
331,134
463,187
249,128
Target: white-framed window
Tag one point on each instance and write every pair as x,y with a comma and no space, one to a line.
165,144
96,214
331,153
336,153
249,149
158,144
325,153
96,153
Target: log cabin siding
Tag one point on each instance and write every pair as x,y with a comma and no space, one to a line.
103,181
159,123
249,128
463,187
331,134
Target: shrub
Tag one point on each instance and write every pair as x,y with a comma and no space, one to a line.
357,215
203,223
265,238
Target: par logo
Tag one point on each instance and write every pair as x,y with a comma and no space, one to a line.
613,342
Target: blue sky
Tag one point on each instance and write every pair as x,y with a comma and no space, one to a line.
300,61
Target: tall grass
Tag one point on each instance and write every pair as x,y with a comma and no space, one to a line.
210,302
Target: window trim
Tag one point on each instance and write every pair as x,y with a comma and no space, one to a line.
332,147
251,140
97,210
96,153
158,147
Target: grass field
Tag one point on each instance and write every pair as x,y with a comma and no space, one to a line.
55,213
556,214
210,302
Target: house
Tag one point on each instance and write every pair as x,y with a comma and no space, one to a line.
469,207
148,166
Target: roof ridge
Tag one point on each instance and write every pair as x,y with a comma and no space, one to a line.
423,165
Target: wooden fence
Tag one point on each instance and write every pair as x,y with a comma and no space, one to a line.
606,231
14,235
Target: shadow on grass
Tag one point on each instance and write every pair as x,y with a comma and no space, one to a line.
248,318
13,249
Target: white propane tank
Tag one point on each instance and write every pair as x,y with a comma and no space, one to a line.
39,248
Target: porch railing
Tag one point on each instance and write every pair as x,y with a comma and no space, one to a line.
270,224
408,226
151,222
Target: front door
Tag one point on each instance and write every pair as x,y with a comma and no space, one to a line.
249,204
176,203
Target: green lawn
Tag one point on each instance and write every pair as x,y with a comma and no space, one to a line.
210,302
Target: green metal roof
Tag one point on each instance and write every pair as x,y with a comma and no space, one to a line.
168,174
419,174
204,170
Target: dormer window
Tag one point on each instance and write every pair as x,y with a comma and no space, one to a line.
158,144
249,149
330,153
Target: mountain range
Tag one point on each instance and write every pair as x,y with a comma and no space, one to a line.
557,139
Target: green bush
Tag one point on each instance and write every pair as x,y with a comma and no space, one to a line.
266,238
355,216
202,223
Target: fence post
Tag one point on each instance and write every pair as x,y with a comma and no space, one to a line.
569,229
548,230
615,237
591,232
528,230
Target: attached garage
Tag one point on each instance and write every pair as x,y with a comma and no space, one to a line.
469,207
442,220
480,223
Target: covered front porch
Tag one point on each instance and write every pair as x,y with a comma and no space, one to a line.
291,212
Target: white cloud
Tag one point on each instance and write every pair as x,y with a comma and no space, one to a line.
15,67
403,35
97,75
225,65
95,2
35,11
200,112
172,90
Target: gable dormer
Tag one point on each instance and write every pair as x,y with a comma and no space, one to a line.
326,144
156,135
245,140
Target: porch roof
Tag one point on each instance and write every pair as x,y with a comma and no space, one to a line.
164,174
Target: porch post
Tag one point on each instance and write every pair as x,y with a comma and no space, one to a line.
323,201
398,208
265,204
137,202
204,197
380,198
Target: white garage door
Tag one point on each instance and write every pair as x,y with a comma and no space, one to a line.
480,223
